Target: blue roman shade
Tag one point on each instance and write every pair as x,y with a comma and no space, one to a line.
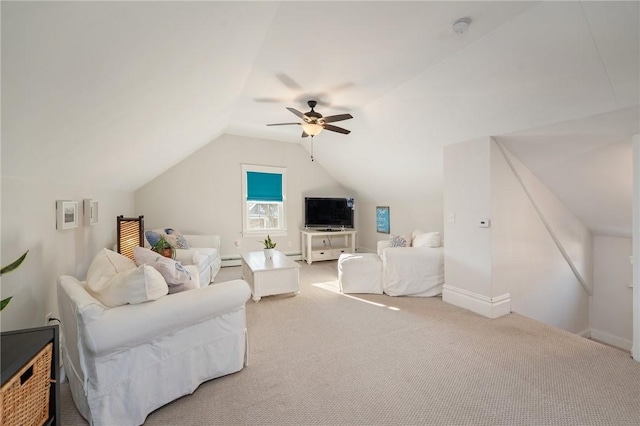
264,186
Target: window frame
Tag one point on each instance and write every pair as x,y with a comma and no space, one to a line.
282,230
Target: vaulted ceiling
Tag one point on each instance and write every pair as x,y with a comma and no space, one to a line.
119,92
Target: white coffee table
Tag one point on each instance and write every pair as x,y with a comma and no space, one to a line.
270,276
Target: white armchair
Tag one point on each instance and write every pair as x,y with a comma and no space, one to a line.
124,362
412,271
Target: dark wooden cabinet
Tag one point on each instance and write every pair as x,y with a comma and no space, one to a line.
19,347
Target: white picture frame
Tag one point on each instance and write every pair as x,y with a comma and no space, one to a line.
90,208
66,214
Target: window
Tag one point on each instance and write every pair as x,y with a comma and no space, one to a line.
264,200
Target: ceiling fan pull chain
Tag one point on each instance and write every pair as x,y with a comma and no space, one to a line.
312,148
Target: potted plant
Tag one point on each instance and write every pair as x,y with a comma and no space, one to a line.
269,247
6,270
164,248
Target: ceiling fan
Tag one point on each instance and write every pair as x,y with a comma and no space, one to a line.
313,122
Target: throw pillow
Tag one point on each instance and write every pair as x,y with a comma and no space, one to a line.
172,272
105,265
176,239
137,285
153,236
415,233
191,284
398,241
429,239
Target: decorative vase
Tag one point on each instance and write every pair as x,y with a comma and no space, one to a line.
268,253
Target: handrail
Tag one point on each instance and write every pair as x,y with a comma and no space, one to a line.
544,220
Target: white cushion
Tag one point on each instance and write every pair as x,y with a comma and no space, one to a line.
414,234
106,264
132,286
190,284
172,272
428,239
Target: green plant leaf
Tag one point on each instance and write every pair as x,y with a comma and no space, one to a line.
5,302
14,265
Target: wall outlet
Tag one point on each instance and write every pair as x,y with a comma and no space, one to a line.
484,223
47,318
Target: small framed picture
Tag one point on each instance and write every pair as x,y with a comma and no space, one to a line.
90,208
66,214
382,219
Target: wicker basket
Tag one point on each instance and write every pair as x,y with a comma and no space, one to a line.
25,397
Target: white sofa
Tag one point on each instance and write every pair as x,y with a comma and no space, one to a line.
125,362
412,271
204,252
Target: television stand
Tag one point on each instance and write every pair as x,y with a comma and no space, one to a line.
326,244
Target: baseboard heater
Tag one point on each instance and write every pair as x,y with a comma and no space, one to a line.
236,260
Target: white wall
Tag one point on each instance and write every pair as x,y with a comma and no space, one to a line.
203,193
635,351
29,223
611,313
467,196
526,263
405,217
514,264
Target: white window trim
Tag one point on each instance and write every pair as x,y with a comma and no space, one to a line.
245,214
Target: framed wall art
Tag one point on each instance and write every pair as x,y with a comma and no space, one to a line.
382,219
90,208
66,214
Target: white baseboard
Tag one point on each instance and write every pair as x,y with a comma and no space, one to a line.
237,260
610,339
585,333
490,307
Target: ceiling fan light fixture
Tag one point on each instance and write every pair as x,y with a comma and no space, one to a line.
312,129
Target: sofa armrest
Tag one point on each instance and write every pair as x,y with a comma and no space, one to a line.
129,325
209,241
383,244
187,256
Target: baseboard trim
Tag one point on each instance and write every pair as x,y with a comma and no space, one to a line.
236,260
610,339
490,307
585,333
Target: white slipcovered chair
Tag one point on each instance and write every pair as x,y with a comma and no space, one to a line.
415,270
124,362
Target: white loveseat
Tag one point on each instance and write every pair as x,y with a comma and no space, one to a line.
413,270
125,362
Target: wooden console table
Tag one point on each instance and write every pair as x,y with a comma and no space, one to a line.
20,347
330,248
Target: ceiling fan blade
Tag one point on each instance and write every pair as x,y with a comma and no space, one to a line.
282,124
296,112
304,134
288,81
336,129
338,117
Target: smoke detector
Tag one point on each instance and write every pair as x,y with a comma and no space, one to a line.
461,25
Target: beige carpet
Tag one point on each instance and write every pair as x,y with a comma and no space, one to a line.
325,358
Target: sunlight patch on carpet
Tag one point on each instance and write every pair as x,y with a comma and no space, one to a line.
333,287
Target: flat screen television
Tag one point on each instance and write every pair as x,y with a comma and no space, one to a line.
323,212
